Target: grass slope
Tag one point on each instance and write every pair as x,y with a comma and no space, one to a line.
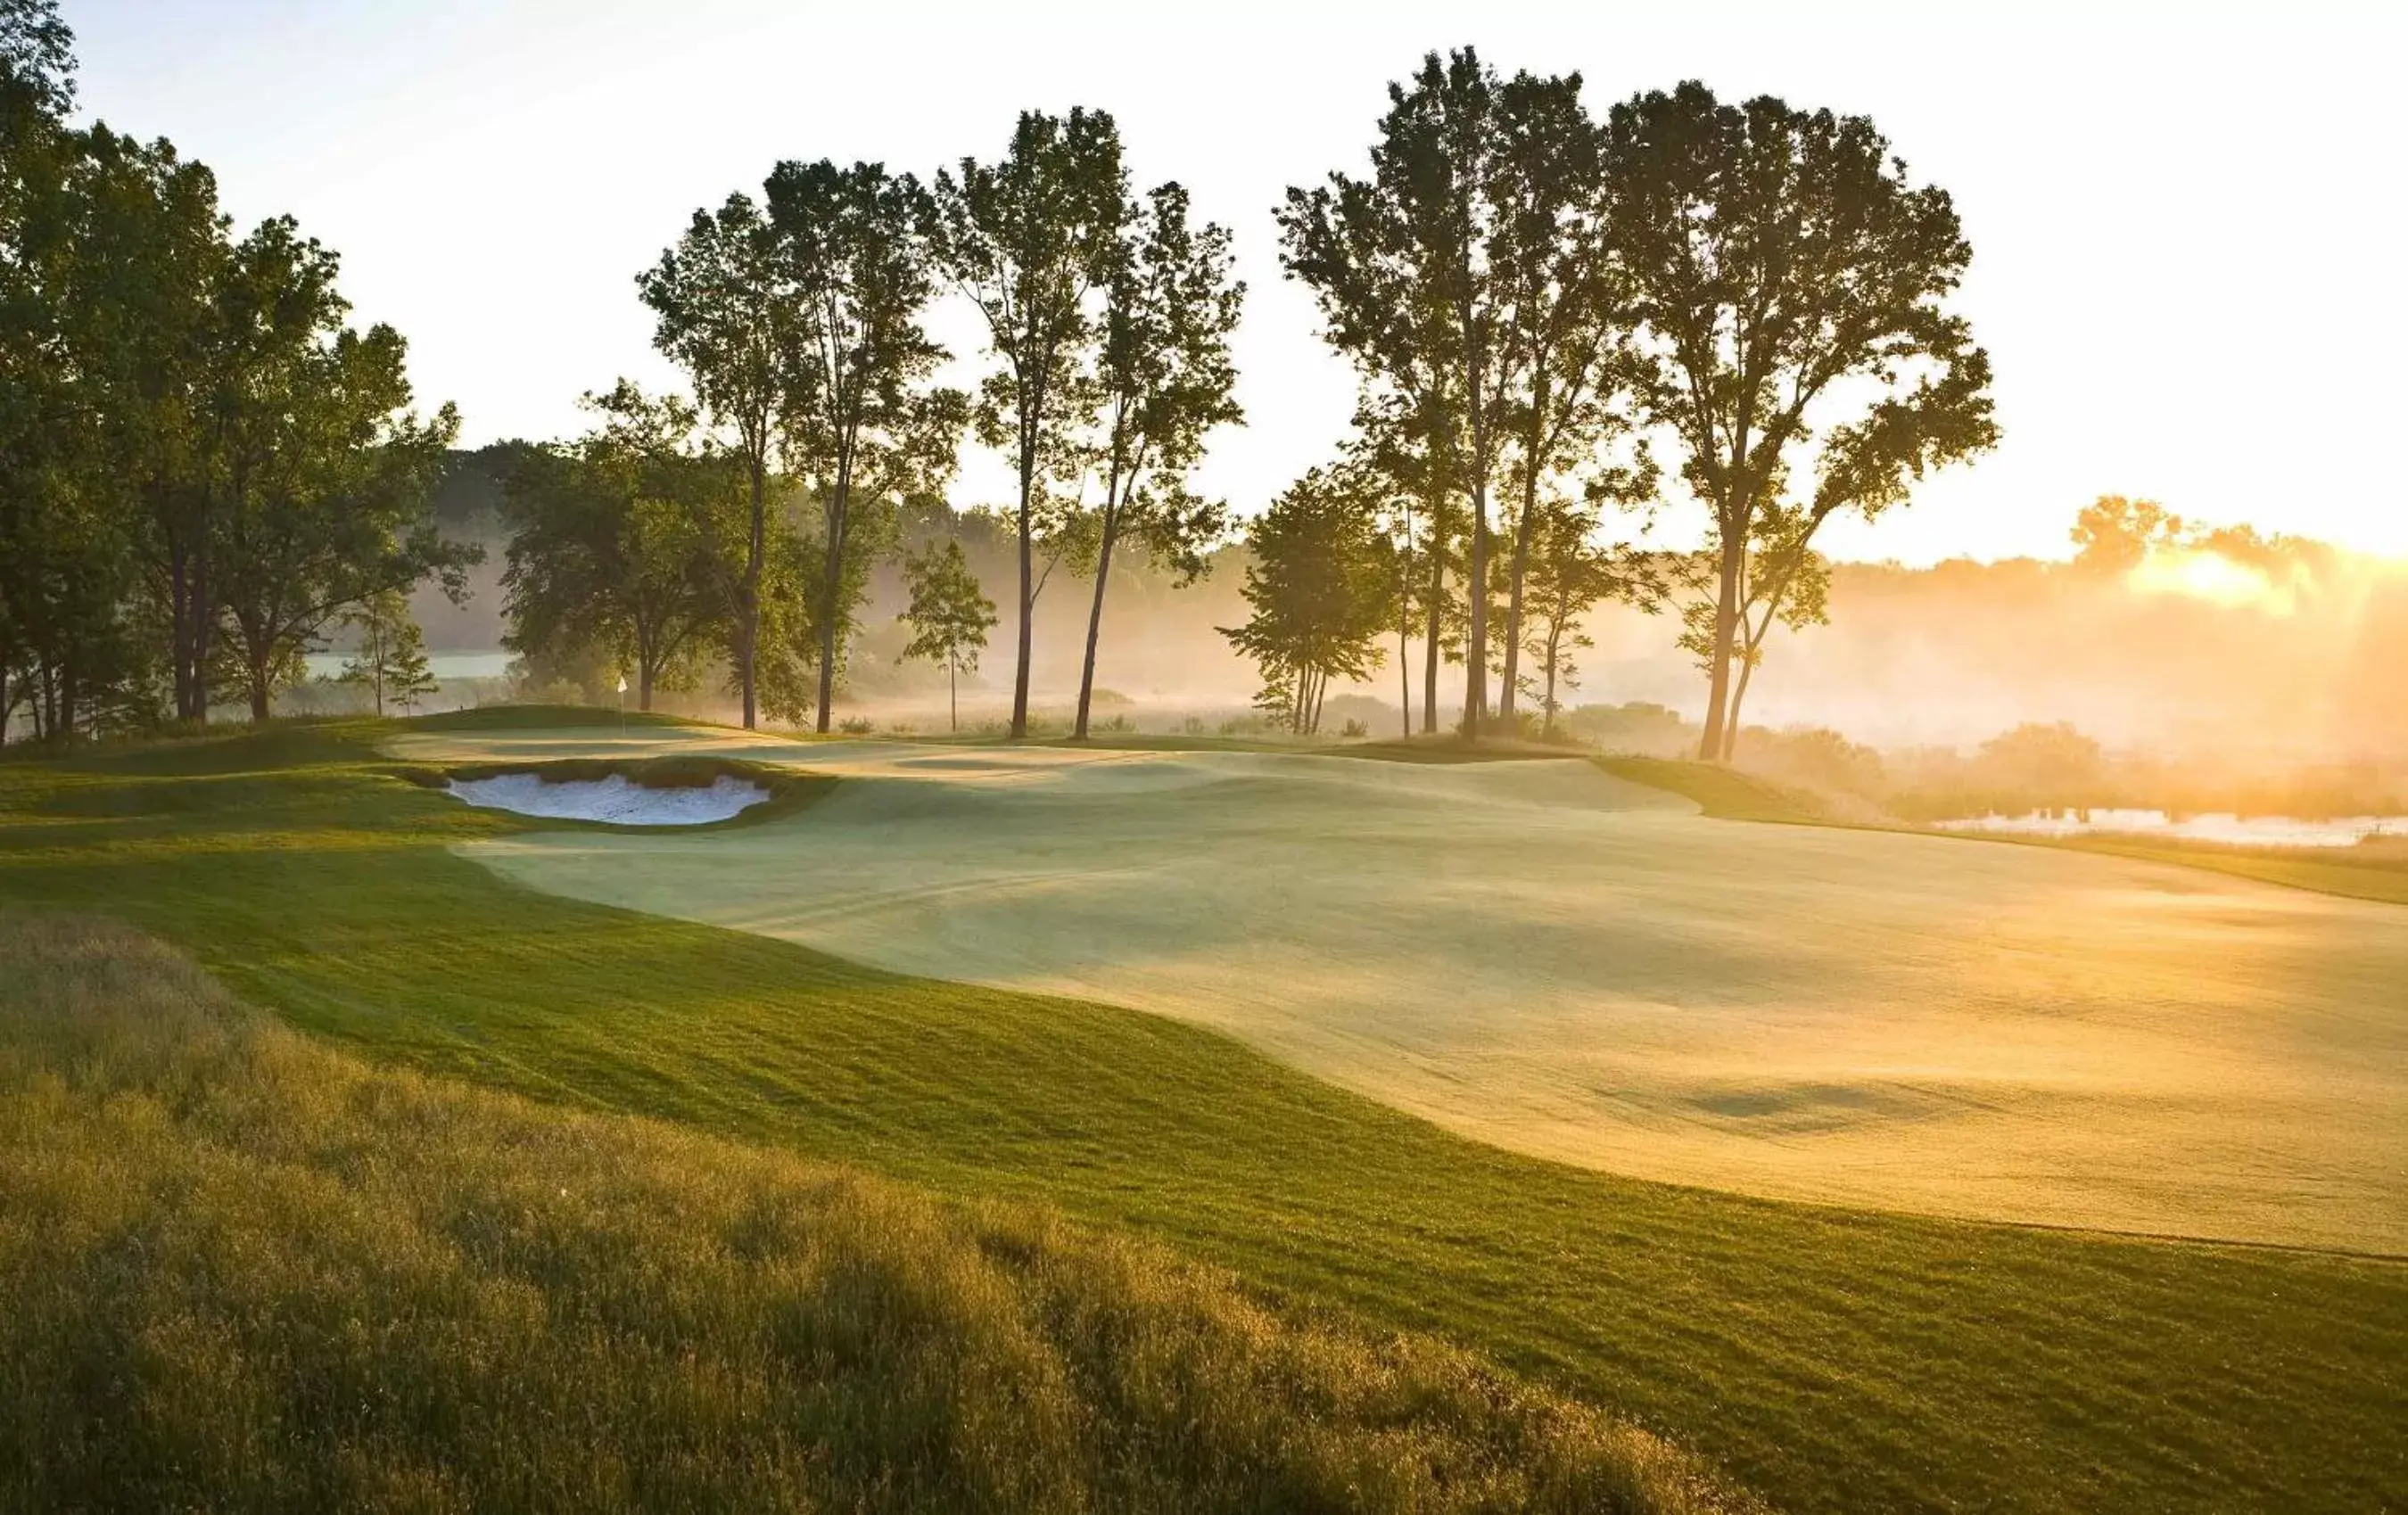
1831,1359
246,1272
2378,872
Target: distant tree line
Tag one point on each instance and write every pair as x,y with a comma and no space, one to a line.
203,467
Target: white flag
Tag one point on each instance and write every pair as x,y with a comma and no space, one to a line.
622,683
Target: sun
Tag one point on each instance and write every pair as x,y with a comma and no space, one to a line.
2211,577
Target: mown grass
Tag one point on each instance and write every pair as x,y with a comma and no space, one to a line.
2372,870
245,1272
2375,871
1722,792
1830,1360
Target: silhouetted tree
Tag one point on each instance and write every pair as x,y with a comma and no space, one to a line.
1784,581
1321,589
1787,276
1164,379
1030,239
1570,311
1571,573
1402,265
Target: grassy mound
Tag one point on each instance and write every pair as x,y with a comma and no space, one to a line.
1724,792
247,1272
1831,1359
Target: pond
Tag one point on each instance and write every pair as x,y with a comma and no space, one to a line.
2227,830
492,664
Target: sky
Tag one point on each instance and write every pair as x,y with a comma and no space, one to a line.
2186,220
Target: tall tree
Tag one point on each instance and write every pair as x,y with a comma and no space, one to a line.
950,616
1031,240
728,311
863,427
1569,313
1165,379
138,335
610,542
1792,283
1321,591
1403,266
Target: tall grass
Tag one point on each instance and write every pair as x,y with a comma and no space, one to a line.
243,1271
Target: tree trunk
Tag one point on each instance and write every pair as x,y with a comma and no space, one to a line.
953,695
178,630
1430,648
1506,690
748,631
1475,659
1737,699
204,622
643,686
1027,588
259,691
1548,728
1725,622
839,522
1096,620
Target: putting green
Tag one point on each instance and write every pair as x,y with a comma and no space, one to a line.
1540,956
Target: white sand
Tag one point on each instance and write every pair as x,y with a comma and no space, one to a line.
1540,956
616,799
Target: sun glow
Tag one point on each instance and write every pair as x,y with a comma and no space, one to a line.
2211,577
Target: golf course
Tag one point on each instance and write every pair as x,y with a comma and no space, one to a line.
1817,1356
1595,974
760,759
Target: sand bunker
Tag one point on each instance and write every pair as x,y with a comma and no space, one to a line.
1540,956
616,799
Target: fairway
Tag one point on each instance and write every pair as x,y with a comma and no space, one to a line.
1566,964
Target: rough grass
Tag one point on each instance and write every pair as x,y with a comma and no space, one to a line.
245,1272
1833,1360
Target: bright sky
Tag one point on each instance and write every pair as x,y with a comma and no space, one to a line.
2186,218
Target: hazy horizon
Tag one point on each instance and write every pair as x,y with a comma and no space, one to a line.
495,176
